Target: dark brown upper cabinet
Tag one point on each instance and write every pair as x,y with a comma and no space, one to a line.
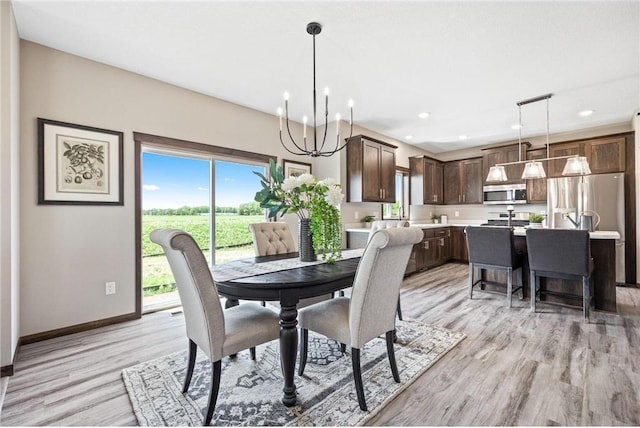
604,154
426,180
371,168
463,181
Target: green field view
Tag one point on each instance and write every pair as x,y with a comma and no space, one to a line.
233,241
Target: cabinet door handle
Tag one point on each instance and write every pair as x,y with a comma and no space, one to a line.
442,242
426,245
383,193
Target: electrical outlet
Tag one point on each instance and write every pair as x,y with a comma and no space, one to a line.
457,213
356,215
109,288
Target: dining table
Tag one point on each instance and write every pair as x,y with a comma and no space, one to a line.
287,280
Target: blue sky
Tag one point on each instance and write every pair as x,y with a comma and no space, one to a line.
172,182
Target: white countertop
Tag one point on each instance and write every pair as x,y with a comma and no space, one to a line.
517,231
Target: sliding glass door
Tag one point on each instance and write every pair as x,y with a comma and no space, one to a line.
177,193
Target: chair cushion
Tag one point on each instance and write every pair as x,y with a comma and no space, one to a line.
330,318
248,325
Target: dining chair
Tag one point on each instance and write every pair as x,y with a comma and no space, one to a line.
271,238
492,247
564,254
217,332
386,224
371,309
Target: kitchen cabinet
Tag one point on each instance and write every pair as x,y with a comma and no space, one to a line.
459,250
537,188
604,154
510,153
434,250
463,181
371,168
426,180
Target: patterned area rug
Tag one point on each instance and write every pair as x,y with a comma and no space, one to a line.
250,391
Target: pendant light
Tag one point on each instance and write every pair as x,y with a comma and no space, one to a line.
534,169
317,149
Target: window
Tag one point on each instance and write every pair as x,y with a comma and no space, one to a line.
400,208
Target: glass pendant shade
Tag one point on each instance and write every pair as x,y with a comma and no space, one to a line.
533,170
576,166
497,173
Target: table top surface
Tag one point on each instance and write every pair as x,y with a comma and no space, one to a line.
305,281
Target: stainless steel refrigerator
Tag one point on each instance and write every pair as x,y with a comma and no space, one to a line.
602,193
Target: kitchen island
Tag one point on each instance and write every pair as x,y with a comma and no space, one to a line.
445,242
568,292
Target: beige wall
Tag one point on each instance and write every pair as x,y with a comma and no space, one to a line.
69,252
9,181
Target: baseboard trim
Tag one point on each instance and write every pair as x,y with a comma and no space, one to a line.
51,334
6,371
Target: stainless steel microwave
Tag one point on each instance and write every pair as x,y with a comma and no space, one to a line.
505,194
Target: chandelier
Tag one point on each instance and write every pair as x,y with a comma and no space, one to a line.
576,164
306,149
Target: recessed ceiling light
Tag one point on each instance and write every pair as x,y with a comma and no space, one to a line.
424,115
516,126
462,137
585,113
408,137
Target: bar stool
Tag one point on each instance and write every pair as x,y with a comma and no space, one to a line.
492,247
563,254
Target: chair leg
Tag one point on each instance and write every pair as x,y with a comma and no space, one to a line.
343,347
213,394
392,356
520,283
252,350
586,298
263,303
532,283
304,346
470,280
341,293
399,310
193,350
509,284
357,377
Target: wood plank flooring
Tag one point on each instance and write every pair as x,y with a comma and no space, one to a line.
514,367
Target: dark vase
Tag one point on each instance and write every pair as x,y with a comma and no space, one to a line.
305,243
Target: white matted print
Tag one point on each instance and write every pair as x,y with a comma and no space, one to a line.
295,168
79,165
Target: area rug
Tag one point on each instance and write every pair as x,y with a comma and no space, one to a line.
250,391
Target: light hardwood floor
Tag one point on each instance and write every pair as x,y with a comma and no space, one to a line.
514,367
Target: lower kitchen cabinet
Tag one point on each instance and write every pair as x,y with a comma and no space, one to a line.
438,246
459,250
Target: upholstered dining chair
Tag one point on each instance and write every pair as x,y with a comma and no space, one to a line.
271,238
564,254
371,309
217,332
492,247
386,224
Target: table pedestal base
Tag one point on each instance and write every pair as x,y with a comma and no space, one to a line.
288,351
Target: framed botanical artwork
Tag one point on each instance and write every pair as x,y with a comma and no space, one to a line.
79,165
295,168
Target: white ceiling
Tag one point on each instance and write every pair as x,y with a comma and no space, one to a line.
467,63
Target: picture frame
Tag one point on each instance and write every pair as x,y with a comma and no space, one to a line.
79,165
295,168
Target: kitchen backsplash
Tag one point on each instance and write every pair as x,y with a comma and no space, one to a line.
470,212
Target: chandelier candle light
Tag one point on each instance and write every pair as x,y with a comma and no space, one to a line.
303,149
576,164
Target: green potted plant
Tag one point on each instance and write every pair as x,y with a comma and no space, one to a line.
435,218
535,220
368,219
316,204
